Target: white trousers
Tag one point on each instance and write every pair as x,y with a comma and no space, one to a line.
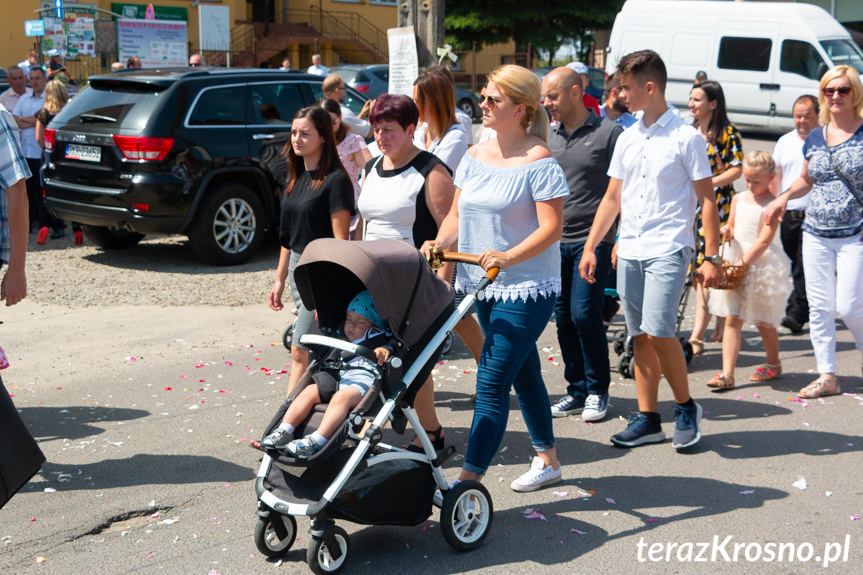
834,284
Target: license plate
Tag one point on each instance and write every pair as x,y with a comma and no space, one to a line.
83,153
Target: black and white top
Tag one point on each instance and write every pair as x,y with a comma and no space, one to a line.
393,202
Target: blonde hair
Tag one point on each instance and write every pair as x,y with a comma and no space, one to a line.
824,115
760,160
523,87
56,96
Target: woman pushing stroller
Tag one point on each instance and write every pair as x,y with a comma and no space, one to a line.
363,326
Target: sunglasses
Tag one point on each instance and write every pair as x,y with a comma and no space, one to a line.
490,101
842,91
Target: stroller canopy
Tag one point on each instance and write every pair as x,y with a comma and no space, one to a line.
406,292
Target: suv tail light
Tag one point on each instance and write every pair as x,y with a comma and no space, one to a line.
49,140
139,148
362,89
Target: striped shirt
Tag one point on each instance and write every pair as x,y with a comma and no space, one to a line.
13,167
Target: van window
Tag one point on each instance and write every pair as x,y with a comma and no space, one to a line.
220,107
800,57
744,53
843,52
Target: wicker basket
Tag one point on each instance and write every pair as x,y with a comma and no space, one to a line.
732,275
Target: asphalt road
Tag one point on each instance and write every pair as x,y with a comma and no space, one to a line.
144,413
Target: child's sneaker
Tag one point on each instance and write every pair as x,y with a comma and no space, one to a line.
278,439
537,477
303,448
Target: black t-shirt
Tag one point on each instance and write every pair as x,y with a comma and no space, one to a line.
306,212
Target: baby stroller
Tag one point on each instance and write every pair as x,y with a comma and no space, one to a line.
356,476
621,340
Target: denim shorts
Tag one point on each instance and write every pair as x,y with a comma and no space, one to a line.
650,291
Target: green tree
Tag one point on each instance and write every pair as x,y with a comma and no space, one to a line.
543,25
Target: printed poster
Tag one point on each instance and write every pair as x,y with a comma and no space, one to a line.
404,64
158,43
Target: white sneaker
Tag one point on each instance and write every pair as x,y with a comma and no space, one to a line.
538,477
595,407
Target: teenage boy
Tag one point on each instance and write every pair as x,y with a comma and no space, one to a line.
659,174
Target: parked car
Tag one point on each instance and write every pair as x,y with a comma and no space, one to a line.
597,79
374,80
178,151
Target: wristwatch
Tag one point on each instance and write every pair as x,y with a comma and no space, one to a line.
715,259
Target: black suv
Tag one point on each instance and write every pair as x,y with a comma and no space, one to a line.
194,152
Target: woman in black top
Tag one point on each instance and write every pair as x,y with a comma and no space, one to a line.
318,203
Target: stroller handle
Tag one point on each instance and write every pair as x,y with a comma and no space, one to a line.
438,258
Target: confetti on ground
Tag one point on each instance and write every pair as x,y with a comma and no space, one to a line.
800,483
756,395
561,493
610,500
855,517
577,531
747,492
40,559
169,388
536,515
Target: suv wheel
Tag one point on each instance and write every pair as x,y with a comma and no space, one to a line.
229,228
112,238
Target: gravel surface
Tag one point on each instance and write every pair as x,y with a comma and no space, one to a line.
62,273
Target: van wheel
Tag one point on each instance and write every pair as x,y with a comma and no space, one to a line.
229,228
112,238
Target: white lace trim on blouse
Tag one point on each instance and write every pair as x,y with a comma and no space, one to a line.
531,289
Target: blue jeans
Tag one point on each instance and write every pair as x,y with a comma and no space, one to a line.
509,360
578,313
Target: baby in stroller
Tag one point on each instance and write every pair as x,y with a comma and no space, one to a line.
363,326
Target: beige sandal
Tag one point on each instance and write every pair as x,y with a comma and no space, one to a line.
818,388
721,381
766,372
697,346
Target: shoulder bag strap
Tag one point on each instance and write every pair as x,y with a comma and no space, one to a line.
841,176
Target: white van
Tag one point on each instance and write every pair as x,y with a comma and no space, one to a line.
764,54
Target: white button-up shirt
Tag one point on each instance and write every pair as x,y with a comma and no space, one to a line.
657,166
788,155
28,105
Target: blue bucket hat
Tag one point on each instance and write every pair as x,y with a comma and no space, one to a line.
365,306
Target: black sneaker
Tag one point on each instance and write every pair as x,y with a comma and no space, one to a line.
567,405
792,324
687,431
639,431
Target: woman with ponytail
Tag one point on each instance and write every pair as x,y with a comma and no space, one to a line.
508,208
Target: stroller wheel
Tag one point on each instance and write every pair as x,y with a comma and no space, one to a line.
466,515
447,344
624,366
328,553
687,351
618,347
288,336
275,534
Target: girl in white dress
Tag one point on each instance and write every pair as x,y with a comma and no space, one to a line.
761,297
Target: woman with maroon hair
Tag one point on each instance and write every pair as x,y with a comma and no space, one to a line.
406,193
318,203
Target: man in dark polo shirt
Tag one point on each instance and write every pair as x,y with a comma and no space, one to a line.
582,143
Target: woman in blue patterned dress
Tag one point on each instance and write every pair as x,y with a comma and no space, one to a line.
832,243
508,208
